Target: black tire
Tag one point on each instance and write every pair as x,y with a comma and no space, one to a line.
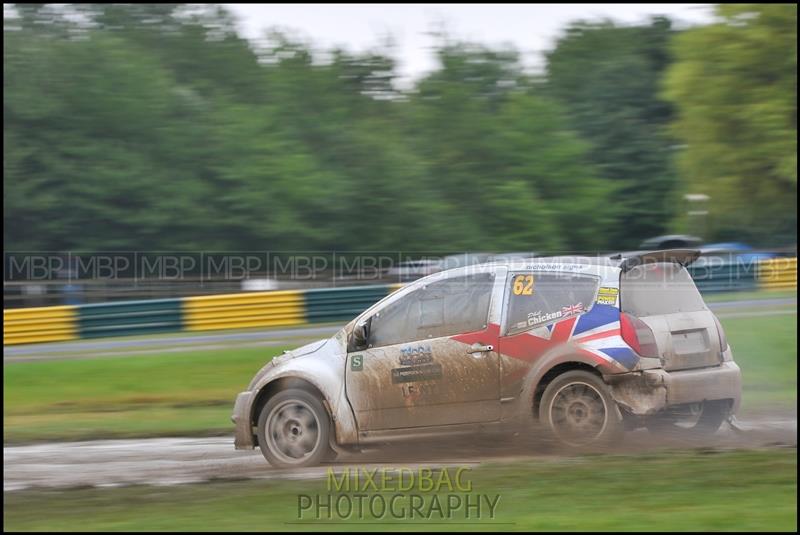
705,423
294,430
577,411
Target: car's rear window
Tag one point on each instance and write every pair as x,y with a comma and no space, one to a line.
659,288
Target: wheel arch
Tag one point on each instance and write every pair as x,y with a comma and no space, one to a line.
283,383
269,389
551,373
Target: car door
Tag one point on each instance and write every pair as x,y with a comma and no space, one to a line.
413,372
541,313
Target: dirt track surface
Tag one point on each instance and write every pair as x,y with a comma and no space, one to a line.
171,461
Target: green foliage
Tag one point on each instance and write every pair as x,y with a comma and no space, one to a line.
156,127
533,185
607,76
734,83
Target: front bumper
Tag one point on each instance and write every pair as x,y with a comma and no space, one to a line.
650,391
243,435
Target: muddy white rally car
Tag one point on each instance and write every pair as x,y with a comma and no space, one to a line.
577,349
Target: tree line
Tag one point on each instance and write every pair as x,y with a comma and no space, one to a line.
158,127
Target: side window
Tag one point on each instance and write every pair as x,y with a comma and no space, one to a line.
538,299
442,308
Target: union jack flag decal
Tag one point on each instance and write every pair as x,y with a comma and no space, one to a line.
572,310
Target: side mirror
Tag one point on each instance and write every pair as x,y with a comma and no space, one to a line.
360,337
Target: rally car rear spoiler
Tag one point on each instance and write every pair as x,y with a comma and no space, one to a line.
683,257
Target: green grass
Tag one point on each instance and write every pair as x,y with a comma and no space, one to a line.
716,297
160,394
193,392
765,347
695,490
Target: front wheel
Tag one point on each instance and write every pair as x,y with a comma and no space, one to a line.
294,430
577,410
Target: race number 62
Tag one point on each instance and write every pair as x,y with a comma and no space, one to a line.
523,285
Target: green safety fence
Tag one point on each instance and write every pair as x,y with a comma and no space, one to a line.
130,318
342,304
724,277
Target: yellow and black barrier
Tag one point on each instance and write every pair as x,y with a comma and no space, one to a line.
244,310
41,324
777,273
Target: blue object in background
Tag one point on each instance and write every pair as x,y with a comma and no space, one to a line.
73,294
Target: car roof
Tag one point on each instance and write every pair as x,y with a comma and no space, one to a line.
574,259
566,261
597,264
590,264
622,261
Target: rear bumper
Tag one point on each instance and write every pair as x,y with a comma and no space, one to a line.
692,386
649,391
243,435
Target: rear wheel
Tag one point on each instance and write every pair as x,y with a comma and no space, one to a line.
577,410
697,419
294,430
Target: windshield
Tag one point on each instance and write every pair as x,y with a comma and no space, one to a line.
659,288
